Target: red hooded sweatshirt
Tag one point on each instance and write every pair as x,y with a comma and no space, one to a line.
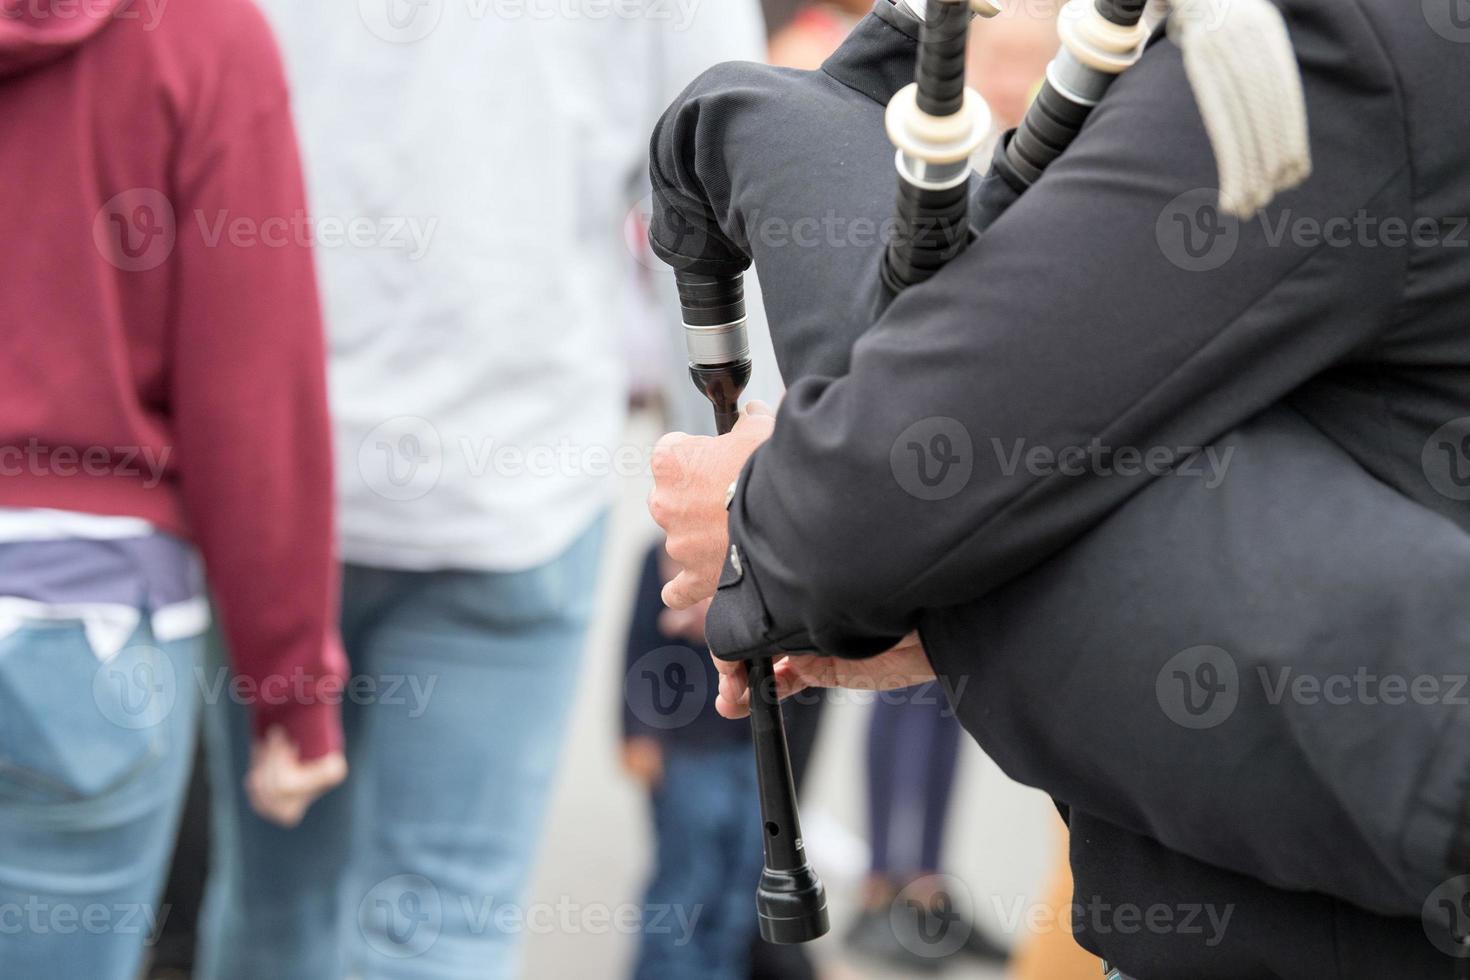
163,340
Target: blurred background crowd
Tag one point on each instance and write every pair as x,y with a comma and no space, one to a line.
536,783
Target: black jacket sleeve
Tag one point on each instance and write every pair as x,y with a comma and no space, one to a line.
1091,338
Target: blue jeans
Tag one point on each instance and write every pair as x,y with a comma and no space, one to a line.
94,759
461,686
699,909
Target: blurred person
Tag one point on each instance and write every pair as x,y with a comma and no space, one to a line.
473,165
1050,952
164,400
778,13
1008,55
814,32
699,911
912,758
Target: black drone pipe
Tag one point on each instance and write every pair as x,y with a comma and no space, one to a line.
937,124
1100,40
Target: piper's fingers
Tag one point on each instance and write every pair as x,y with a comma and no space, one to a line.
685,590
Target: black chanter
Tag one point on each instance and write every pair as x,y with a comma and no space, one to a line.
937,124
790,900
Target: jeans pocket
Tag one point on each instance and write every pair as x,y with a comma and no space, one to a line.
562,589
73,727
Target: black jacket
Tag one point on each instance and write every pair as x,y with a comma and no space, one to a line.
1059,602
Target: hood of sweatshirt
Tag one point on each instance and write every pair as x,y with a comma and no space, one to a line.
34,32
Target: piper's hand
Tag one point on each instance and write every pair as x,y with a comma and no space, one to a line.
904,666
690,477
280,786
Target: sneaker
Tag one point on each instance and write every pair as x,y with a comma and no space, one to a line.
873,935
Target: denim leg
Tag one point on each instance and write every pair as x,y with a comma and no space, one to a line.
453,720
456,761
699,907
93,763
743,842
270,907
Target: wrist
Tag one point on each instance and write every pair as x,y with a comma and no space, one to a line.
315,728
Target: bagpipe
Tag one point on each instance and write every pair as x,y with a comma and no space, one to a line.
820,301
937,124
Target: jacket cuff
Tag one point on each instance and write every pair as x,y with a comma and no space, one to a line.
313,725
738,624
